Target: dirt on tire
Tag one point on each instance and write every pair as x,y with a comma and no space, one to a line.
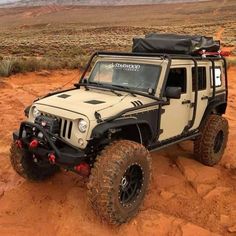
106,175
25,166
204,145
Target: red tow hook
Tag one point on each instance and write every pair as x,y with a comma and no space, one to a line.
18,143
52,158
83,169
34,144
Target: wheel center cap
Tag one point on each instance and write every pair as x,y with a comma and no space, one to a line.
124,182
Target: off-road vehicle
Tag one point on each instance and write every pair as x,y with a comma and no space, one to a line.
166,91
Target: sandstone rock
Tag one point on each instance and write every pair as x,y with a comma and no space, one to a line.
232,229
202,189
166,181
191,229
195,172
224,220
217,192
44,73
1,193
227,166
166,195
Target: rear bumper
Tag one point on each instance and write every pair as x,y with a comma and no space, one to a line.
65,154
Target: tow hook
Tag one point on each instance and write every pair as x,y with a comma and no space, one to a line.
18,143
52,158
83,169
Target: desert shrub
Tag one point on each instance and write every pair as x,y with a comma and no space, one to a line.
234,52
14,65
22,65
231,62
6,66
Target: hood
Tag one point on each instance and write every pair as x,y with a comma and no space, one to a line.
87,102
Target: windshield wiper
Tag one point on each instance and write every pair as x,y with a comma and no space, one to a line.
125,88
100,85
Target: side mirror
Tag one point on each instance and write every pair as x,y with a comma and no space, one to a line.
173,92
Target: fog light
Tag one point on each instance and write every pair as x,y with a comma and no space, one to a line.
81,142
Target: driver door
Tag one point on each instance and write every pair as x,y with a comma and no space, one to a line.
177,114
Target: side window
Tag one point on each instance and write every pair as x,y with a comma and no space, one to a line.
218,77
177,78
201,78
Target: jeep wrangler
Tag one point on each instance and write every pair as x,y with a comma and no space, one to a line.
104,127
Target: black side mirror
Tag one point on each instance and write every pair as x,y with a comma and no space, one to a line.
173,92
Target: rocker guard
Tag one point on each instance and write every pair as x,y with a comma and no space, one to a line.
66,155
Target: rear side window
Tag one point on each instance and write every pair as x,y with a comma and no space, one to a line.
218,77
201,78
177,78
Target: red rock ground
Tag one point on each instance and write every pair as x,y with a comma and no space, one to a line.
186,198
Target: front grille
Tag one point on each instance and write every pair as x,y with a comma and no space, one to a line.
65,126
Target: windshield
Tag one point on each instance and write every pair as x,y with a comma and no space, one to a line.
134,76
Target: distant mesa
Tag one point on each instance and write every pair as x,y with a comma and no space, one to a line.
19,3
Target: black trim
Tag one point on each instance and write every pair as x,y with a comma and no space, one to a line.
174,140
133,109
211,106
101,129
64,96
94,102
226,77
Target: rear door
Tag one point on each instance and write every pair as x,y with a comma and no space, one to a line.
203,92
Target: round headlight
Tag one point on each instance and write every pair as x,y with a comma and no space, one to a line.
82,125
36,113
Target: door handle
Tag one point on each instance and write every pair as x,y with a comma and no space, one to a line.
186,102
204,97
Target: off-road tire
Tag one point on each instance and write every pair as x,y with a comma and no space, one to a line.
104,187
25,166
210,146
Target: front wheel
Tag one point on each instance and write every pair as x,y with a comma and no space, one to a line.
23,163
119,181
210,146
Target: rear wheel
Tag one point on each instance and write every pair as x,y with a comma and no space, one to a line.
119,181
24,164
210,146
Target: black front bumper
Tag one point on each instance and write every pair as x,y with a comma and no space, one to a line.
66,155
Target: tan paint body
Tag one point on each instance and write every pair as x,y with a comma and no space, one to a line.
173,121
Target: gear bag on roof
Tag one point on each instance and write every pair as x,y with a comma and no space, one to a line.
175,44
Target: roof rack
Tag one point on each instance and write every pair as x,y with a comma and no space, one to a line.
202,54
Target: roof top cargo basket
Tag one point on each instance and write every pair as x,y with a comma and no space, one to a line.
175,44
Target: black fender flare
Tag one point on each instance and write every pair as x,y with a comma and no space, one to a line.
211,107
102,128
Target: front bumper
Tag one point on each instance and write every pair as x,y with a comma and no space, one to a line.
48,144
